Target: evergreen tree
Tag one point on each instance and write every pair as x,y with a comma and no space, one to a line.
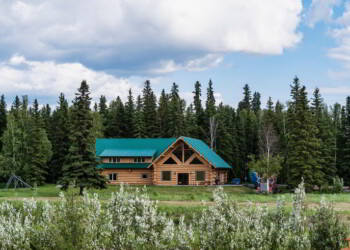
345,161
16,105
176,118
3,118
39,149
80,165
139,125
149,110
247,97
129,115
190,122
338,138
116,119
304,147
103,110
199,113
325,134
60,139
256,103
163,113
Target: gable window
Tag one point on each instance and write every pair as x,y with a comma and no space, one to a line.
112,176
170,161
178,152
144,176
187,153
139,159
166,175
200,175
196,161
113,159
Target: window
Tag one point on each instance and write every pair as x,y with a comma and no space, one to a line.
188,153
196,161
200,176
114,159
139,159
112,177
170,161
144,176
166,176
178,152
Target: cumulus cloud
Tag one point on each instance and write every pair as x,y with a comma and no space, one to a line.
321,10
35,78
199,64
122,33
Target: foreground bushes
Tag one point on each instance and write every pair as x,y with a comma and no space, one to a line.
132,221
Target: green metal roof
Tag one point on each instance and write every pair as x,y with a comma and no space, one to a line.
128,152
134,144
134,147
124,165
206,152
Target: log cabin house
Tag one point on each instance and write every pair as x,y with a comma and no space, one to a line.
160,161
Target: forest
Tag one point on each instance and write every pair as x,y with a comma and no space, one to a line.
305,137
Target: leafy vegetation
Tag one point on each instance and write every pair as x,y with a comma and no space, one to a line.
130,220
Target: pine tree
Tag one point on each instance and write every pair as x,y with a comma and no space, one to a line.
176,118
345,161
210,109
149,110
116,119
304,147
39,149
336,119
129,115
325,134
256,103
60,139
139,126
80,165
103,110
247,97
199,113
16,105
163,113
190,122
3,118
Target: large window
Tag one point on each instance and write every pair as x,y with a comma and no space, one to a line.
166,176
139,159
114,159
112,176
144,176
200,176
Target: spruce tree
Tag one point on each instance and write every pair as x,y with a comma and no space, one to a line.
345,161
256,103
325,134
149,110
190,122
198,109
60,139
139,125
39,149
103,110
247,97
176,118
80,165
116,119
304,147
129,115
3,118
163,113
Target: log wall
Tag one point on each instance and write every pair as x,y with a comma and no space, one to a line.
130,176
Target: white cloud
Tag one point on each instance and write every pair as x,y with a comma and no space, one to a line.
321,10
19,75
340,90
122,31
199,64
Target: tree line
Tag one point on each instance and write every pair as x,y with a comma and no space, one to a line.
310,139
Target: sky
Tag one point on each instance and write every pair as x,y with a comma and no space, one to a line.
49,47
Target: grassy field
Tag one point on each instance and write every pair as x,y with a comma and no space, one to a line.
187,201
178,193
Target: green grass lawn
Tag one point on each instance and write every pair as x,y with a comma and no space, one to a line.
179,193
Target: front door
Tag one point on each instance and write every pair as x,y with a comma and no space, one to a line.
182,179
